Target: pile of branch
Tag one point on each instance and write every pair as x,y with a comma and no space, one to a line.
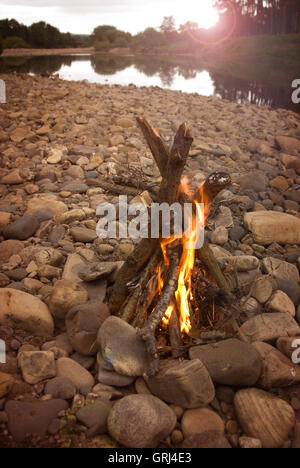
132,293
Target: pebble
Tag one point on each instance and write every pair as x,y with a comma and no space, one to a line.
249,443
28,311
219,236
64,296
280,269
186,383
122,348
262,289
95,415
207,440
197,421
269,327
6,383
82,324
280,302
258,413
273,226
277,369
26,418
229,362
112,378
37,366
61,388
78,375
140,421
22,228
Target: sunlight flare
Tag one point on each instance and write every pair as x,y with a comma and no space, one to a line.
201,12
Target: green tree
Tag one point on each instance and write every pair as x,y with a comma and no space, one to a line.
14,42
168,25
188,26
261,16
111,35
150,38
169,30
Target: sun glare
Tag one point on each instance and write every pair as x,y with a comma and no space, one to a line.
201,12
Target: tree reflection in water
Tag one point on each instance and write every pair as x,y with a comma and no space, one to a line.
46,64
253,92
166,68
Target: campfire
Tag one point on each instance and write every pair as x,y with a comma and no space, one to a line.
173,286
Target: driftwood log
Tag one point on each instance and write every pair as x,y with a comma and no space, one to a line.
131,293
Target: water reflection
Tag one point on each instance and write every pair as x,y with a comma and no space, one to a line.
178,73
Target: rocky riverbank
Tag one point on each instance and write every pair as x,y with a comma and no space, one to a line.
74,375
36,52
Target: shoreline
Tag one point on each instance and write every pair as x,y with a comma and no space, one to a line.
41,52
67,147
90,51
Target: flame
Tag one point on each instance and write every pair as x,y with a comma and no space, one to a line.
186,267
183,293
167,316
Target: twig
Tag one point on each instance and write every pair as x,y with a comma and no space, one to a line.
174,332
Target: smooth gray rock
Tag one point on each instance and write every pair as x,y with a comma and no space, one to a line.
37,366
254,181
140,421
95,415
82,234
60,387
32,418
185,383
22,228
82,323
114,379
209,439
280,269
290,288
269,327
121,347
230,362
75,187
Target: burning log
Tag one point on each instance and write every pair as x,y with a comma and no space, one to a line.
144,292
175,333
147,332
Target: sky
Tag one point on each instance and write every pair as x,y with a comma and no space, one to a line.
82,16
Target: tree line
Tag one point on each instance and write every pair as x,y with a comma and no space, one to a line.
255,17
39,35
251,17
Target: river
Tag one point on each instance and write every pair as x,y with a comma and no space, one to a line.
185,74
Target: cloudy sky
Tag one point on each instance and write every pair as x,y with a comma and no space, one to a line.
82,16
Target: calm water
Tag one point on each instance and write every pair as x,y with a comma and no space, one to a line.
178,73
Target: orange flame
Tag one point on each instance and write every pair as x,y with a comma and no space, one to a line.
183,293
167,316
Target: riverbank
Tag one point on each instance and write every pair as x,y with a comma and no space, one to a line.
273,60
40,52
67,147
